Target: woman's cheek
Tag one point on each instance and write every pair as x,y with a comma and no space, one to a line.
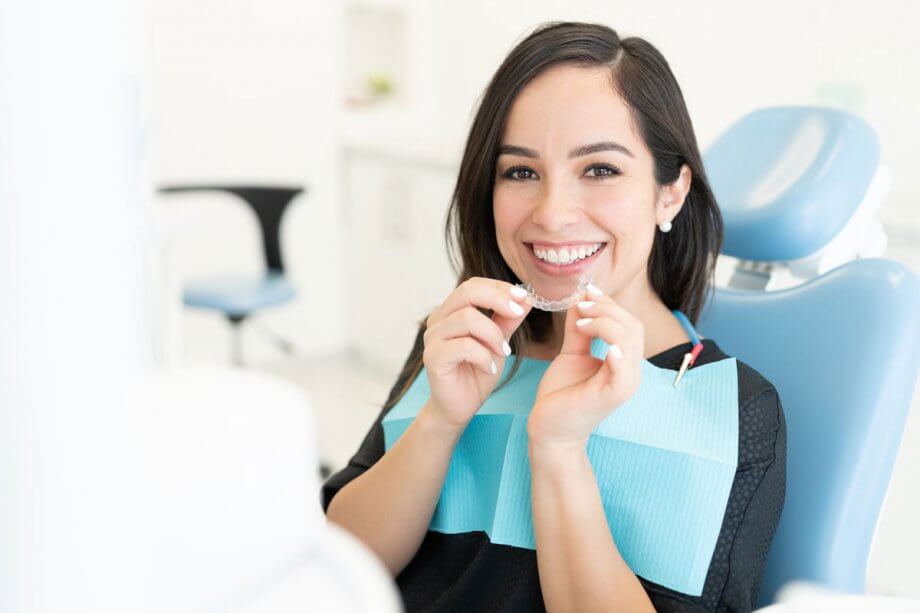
509,209
609,195
505,227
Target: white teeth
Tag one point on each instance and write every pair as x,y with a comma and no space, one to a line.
564,256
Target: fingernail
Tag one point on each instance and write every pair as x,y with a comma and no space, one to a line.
594,290
616,352
515,307
587,304
585,321
520,292
494,367
506,347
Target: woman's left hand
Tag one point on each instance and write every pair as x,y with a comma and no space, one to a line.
578,390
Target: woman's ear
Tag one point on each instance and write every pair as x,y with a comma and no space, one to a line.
671,197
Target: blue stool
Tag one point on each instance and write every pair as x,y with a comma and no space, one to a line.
238,297
842,348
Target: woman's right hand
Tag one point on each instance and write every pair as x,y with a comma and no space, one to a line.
465,350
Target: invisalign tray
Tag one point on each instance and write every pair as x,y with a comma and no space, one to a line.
539,302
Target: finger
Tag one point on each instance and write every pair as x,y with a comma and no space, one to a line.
615,333
609,306
469,321
508,325
605,307
575,341
449,353
489,294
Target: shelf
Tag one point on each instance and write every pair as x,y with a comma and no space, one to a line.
376,37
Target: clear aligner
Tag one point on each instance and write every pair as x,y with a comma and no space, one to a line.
543,304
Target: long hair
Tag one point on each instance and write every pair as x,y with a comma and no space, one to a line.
681,265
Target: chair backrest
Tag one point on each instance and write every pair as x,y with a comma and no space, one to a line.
269,204
842,349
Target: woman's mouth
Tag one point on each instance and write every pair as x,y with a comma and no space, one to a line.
567,260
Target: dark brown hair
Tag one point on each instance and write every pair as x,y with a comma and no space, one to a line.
682,262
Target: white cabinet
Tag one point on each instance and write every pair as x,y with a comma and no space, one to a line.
398,269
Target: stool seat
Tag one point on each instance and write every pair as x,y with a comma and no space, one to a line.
237,295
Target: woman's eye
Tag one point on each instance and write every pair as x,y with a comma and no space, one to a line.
602,170
523,173
512,173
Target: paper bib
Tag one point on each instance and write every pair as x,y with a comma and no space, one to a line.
664,461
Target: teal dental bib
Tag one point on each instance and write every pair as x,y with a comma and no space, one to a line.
664,462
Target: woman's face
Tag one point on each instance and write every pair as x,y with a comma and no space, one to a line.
572,173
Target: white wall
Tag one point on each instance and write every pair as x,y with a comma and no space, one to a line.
248,92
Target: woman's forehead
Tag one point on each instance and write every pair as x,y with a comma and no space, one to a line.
566,107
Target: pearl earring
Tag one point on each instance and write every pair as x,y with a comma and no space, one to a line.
665,226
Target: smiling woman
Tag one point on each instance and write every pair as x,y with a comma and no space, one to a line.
575,484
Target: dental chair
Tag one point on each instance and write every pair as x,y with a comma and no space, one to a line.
833,326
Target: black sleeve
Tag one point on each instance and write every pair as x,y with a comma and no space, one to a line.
753,511
372,448
761,469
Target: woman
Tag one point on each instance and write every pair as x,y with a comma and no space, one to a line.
581,148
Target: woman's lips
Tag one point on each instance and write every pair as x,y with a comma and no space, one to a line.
562,270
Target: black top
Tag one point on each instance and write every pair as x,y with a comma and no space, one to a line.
466,572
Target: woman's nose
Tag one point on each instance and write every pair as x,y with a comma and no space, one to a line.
555,210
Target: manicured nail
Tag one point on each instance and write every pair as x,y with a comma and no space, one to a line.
506,347
594,290
587,304
494,367
515,307
520,292
616,352
585,321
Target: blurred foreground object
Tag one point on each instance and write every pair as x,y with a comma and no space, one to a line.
235,494
803,597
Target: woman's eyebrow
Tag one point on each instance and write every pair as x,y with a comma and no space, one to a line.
578,152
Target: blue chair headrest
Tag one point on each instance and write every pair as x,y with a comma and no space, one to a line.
788,179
